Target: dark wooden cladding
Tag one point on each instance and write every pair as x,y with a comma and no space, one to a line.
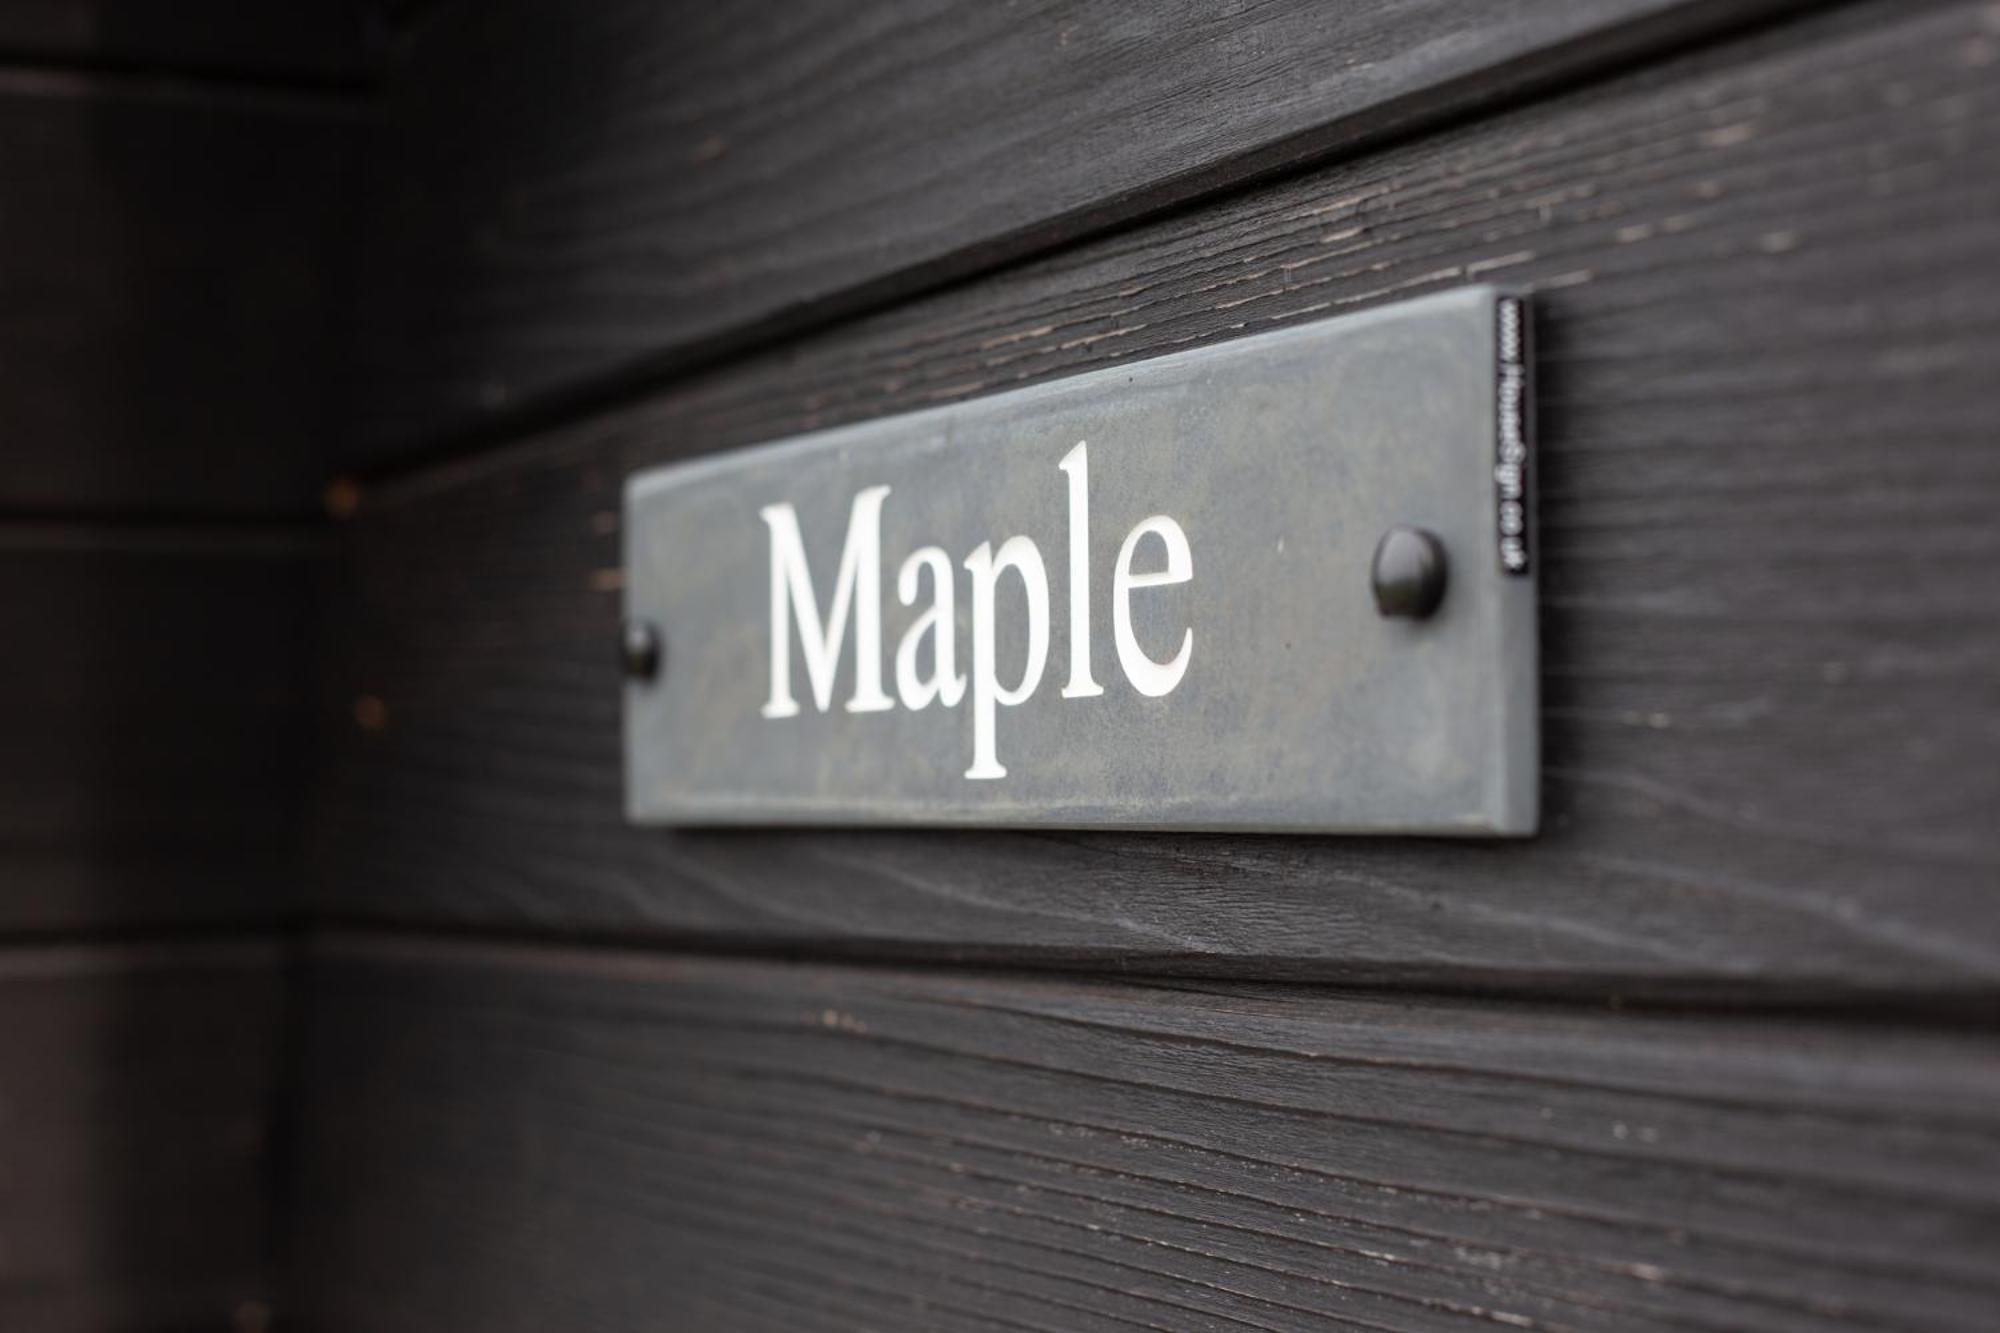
135,1179
170,257
314,39
1768,274
579,193
155,727
524,1139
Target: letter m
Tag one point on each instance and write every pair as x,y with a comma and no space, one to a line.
858,587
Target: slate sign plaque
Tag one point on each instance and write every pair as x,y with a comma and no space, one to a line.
1144,597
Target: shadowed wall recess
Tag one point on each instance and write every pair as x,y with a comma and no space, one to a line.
172,256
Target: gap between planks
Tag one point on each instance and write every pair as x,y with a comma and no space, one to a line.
648,956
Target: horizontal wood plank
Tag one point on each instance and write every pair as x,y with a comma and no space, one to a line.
136,1090
580,195
171,259
525,1137
313,39
1769,281
155,726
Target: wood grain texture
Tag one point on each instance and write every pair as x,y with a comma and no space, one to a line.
155,726
1769,277
574,195
313,39
136,1091
170,261
528,1138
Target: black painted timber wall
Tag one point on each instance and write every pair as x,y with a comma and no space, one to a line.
336,994
1715,1051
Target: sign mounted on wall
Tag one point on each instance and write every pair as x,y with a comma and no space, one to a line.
1283,583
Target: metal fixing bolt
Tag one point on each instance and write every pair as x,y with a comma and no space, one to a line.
640,649
1408,573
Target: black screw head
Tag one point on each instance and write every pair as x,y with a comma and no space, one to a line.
639,649
1408,573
